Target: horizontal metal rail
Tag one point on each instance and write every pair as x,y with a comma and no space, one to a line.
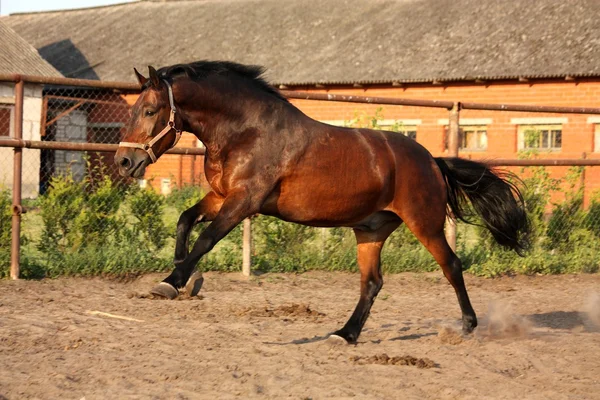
128,86
46,80
198,151
529,108
75,146
566,162
345,98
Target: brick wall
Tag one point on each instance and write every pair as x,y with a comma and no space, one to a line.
577,136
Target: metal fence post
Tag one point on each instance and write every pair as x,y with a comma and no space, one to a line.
453,146
15,255
247,247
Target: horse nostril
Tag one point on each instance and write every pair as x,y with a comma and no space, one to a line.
125,162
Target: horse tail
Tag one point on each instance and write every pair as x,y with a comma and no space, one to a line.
495,198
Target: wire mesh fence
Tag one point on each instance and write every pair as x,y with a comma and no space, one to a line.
84,218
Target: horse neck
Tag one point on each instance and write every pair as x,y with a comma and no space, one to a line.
219,119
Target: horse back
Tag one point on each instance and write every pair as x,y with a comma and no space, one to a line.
343,176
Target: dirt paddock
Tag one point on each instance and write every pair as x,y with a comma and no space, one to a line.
539,338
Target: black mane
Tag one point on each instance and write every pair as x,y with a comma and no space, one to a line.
202,69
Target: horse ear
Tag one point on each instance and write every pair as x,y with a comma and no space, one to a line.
154,76
141,78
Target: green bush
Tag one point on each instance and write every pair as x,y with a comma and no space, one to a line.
568,215
591,220
184,197
226,255
282,246
5,231
147,207
100,229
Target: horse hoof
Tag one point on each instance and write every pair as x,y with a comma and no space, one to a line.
165,290
194,284
336,340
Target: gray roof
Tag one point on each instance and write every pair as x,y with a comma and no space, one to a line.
19,57
326,41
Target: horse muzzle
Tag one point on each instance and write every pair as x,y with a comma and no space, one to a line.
131,163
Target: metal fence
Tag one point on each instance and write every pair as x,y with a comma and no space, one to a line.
64,133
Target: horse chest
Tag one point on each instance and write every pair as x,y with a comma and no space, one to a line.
214,176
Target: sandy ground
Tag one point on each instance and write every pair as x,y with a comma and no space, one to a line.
264,337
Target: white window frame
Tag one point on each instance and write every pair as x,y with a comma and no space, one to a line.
536,121
473,128
595,120
480,124
522,129
405,126
413,124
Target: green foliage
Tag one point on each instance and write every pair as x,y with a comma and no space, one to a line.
282,246
60,209
184,197
564,241
100,229
364,120
403,252
97,217
227,254
568,215
338,250
591,221
5,231
147,207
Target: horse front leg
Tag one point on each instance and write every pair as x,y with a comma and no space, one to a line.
225,214
203,211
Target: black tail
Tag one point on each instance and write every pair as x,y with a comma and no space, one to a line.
496,200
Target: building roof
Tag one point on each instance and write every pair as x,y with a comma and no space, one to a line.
19,57
326,41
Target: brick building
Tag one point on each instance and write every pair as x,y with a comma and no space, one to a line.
18,56
539,52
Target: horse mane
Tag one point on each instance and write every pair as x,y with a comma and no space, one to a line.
199,70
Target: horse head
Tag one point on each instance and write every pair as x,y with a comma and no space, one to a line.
152,127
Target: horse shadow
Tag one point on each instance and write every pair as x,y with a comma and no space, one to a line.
563,320
554,320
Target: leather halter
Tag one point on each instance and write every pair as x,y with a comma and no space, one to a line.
147,147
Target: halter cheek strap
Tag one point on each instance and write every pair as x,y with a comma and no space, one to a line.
147,147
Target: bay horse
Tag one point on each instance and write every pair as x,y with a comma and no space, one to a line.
263,155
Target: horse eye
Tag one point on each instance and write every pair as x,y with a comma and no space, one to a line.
149,113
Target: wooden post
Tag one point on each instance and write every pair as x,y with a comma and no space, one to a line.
453,146
15,252
246,247
180,175
582,181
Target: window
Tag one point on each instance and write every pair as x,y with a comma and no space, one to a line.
5,119
597,139
407,127
105,133
410,132
540,137
407,130
473,138
470,138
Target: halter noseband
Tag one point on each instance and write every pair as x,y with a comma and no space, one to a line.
147,147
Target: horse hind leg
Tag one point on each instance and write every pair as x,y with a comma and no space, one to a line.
438,246
369,244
